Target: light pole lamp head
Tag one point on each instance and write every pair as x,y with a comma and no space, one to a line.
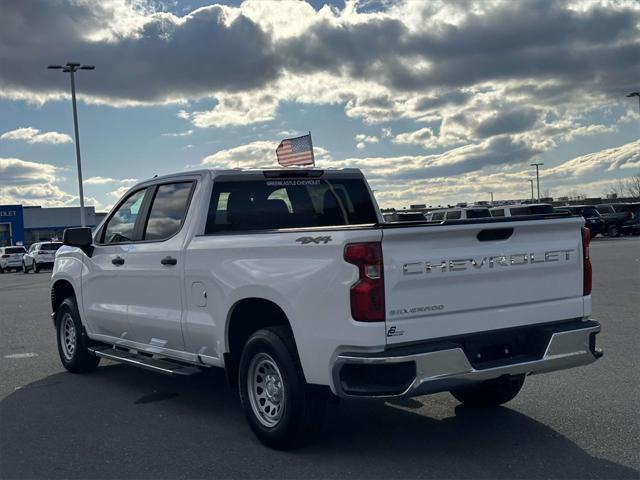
55,67
87,67
634,94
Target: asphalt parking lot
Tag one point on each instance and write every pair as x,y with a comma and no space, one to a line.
121,422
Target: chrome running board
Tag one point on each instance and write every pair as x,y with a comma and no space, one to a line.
163,366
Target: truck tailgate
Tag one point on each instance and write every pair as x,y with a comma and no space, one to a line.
445,280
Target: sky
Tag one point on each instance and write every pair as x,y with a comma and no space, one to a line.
436,101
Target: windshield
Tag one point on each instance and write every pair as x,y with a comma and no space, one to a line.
15,250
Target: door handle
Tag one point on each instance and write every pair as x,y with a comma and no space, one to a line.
168,261
117,261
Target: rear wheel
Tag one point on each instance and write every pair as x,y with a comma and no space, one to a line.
282,410
73,342
490,393
613,231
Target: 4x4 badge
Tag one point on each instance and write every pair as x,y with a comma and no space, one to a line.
316,240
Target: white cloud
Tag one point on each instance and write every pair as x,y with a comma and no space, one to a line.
423,136
30,183
33,135
260,154
119,192
363,139
107,180
186,133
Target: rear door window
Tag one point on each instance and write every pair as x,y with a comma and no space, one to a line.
520,211
438,216
455,215
621,208
478,213
288,203
497,213
168,210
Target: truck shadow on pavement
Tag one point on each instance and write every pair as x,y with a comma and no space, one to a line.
120,422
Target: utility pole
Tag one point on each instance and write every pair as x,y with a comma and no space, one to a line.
537,165
491,193
531,181
71,68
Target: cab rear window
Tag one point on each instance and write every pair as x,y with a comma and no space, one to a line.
288,203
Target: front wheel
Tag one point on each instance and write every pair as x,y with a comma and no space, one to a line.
24,268
36,268
490,393
282,410
73,342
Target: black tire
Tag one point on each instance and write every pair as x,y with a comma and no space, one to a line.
76,359
1,270
490,393
36,268
24,268
613,230
300,419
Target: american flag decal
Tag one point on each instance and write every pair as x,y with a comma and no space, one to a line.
295,151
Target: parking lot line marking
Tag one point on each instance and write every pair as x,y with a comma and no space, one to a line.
21,355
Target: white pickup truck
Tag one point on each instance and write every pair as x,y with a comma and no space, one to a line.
291,281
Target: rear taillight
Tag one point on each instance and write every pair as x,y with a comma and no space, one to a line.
586,262
5,256
41,252
367,294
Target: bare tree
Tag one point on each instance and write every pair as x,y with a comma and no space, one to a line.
576,195
617,188
633,186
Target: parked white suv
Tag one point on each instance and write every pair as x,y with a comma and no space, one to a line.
463,213
11,258
521,210
291,281
40,255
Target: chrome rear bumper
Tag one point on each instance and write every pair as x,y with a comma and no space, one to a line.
441,369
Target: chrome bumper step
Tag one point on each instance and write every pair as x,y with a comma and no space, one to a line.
163,366
448,368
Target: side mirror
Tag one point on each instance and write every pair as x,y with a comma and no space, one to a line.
77,237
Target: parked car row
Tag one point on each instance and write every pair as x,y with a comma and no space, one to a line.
40,255
612,220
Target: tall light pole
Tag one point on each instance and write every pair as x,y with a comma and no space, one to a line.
531,181
71,68
635,94
537,165
491,193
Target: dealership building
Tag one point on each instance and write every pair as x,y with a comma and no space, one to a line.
21,225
